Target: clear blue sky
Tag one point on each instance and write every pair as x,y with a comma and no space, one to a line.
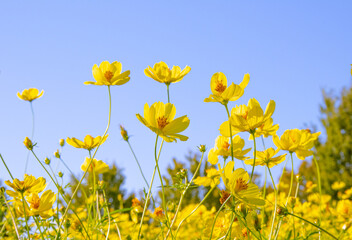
292,51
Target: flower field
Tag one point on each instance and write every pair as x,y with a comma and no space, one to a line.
243,209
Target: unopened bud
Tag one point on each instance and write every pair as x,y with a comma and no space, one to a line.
47,161
202,148
57,154
60,174
62,142
299,178
124,133
281,211
28,143
241,208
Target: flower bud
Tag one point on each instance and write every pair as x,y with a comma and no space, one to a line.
281,211
241,208
60,174
28,143
124,133
62,142
47,161
202,148
57,154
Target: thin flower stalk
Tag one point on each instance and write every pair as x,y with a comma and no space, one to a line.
275,192
149,190
80,182
255,153
217,214
228,116
183,194
12,217
193,211
139,166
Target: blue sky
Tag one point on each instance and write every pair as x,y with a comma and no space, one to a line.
292,50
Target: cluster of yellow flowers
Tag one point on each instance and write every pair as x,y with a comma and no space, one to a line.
246,212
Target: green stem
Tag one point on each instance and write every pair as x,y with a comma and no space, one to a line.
274,215
63,197
322,229
25,216
168,92
190,214
183,194
319,186
229,230
149,190
3,161
245,224
139,166
95,152
38,226
228,115
108,212
255,154
217,214
283,172
12,217
33,125
291,183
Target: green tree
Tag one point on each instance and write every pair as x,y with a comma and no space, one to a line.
334,153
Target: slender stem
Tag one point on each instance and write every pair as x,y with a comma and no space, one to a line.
25,216
319,186
190,214
264,196
274,215
283,172
3,161
67,167
79,183
38,226
255,155
168,92
228,115
108,212
183,194
12,217
245,224
32,136
63,197
149,191
139,166
229,230
217,214
322,229
291,183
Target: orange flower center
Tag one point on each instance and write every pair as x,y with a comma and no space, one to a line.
220,87
158,212
108,75
245,115
162,122
240,185
225,146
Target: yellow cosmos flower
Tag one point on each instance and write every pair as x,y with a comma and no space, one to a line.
30,94
237,182
247,118
212,179
38,206
89,142
297,141
222,93
98,165
109,74
223,148
266,158
29,185
338,185
159,118
266,129
163,74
